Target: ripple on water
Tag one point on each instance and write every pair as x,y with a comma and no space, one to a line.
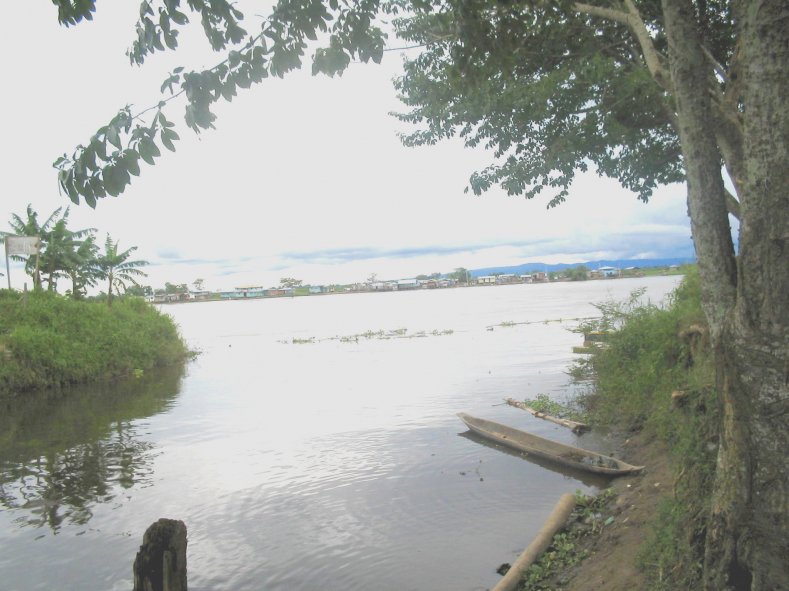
351,520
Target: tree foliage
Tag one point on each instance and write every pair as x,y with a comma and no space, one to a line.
579,273
63,253
72,254
461,275
551,87
118,270
289,282
548,90
336,31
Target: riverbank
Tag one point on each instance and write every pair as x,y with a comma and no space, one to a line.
613,555
653,381
49,341
608,555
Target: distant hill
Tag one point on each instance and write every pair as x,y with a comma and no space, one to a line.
618,263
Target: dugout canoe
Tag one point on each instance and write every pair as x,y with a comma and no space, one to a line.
553,451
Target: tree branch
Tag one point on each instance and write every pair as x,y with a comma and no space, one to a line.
721,71
632,20
732,204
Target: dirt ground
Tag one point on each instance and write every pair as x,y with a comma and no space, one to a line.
611,564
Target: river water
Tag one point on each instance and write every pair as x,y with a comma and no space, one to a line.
302,454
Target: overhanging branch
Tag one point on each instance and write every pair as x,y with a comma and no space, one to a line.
632,20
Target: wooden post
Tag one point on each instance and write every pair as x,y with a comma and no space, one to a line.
160,564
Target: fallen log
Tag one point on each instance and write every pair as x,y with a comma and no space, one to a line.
555,522
160,564
575,426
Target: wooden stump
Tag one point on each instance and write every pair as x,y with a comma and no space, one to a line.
160,564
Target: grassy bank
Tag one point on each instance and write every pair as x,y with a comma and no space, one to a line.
657,376
47,340
653,378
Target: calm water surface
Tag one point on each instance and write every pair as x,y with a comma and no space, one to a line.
331,464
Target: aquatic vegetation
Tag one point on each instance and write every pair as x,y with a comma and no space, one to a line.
567,548
544,404
381,335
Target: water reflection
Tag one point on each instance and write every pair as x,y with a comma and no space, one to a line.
62,453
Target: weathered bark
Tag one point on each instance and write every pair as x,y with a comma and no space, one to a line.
761,331
747,305
690,75
160,564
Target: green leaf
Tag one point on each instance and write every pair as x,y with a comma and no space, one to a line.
130,160
111,183
89,158
145,8
179,17
113,137
168,83
148,150
164,21
167,139
171,40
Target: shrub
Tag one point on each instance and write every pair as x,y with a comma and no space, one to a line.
47,340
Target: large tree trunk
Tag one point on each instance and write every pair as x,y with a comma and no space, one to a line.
747,305
761,332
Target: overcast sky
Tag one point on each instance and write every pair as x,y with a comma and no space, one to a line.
303,177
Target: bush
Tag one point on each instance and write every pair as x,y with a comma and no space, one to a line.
47,340
644,359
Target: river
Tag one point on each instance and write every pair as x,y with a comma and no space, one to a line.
301,453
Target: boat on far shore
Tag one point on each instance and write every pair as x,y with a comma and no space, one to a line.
552,451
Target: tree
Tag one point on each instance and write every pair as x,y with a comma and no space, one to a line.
461,275
30,226
117,269
198,284
556,86
83,267
139,290
579,273
289,282
646,92
63,251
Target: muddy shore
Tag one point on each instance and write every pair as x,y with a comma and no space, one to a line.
611,561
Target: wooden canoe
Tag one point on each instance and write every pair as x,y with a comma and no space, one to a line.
553,451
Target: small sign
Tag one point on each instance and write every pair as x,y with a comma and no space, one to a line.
23,245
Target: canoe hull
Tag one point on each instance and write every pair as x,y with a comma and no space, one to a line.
552,451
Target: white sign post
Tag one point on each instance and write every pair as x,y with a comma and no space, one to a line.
20,245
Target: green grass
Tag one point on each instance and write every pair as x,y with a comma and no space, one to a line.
47,340
648,356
